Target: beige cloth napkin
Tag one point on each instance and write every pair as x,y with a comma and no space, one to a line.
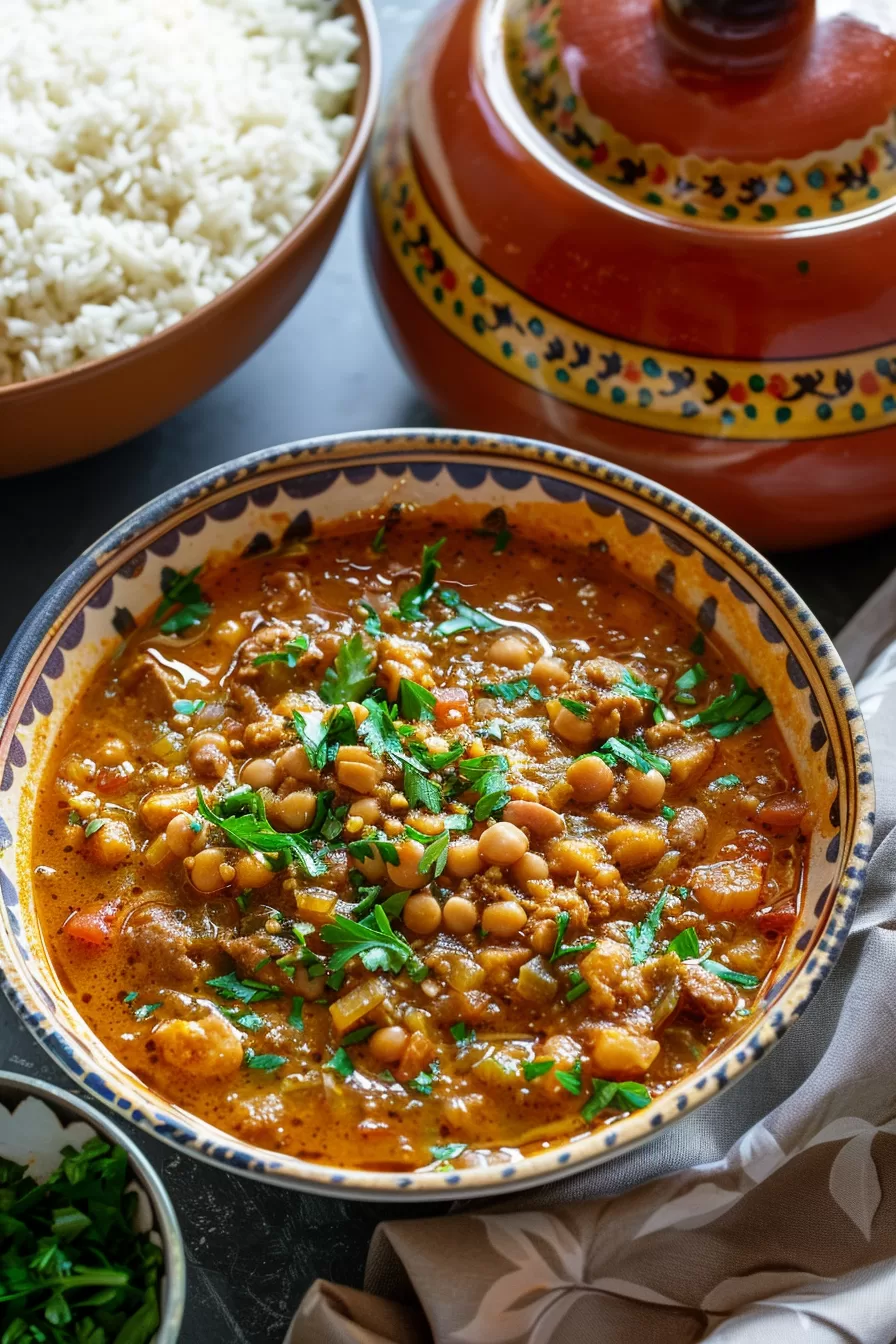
768,1215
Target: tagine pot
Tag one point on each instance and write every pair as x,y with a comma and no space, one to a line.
661,231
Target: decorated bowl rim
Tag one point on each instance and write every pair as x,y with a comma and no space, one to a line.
244,474
175,1285
349,163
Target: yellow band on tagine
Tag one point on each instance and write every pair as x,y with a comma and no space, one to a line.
659,389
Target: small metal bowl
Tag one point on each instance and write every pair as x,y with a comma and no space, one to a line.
16,1087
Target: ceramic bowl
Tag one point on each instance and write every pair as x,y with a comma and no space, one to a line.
664,542
37,1120
86,409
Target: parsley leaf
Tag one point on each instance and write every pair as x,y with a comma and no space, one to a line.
349,677
289,654
579,986
486,776
145,1010
447,1152
733,977
341,1063
742,708
181,591
420,790
378,730
633,685
687,681
375,942
634,754
230,986
424,1081
94,825
435,854
535,1068
576,707
410,604
724,782
376,841
435,760
667,813
188,706
624,1096
356,1037
643,936
465,617
561,950
462,1033
415,702
297,1013
572,1079
372,625
685,945
241,816
510,691
266,1062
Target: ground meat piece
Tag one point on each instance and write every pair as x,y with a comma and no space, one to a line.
286,590
706,993
270,638
156,686
616,711
250,950
163,944
687,829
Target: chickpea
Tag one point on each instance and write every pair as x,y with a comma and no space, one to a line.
549,674
406,873
590,779
537,818
111,845
422,914
619,1054
205,870
635,845
209,1048
293,812
530,868
387,1045
368,809
77,769
158,808
459,915
356,769
251,872
503,843
182,835
113,752
210,755
579,732
645,788
463,857
293,764
503,918
509,651
260,773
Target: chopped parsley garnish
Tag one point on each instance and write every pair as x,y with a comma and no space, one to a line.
181,591
424,1081
356,1037
230,986
724,782
375,942
248,1021
742,708
373,624
297,1013
733,977
447,1152
687,682
289,654
145,1010
129,998
410,604
313,737
188,706
378,545
535,1068
435,760
241,816
635,754
96,824
376,841
570,1079
576,707
667,812
623,1096
435,853
349,677
74,1268
415,702
579,986
643,936
509,691
393,905
486,776
465,617
685,945
561,949
420,790
341,1063
266,1062
462,1033
378,731
633,685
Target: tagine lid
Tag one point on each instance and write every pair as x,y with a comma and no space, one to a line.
723,112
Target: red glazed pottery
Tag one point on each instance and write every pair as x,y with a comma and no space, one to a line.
661,231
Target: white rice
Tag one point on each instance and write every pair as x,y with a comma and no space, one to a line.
151,153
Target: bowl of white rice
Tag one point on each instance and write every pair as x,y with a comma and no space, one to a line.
172,173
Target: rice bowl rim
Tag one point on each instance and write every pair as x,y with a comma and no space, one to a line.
370,47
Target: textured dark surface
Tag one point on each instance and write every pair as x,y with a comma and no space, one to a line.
253,1250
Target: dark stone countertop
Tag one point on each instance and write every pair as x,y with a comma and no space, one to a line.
254,1249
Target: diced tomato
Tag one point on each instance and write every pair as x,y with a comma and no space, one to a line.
452,706
778,919
94,923
112,779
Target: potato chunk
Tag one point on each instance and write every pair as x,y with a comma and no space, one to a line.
209,1048
730,887
620,1054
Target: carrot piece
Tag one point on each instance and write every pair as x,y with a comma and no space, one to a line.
778,919
93,924
452,705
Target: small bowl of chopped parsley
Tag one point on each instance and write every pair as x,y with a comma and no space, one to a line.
90,1249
